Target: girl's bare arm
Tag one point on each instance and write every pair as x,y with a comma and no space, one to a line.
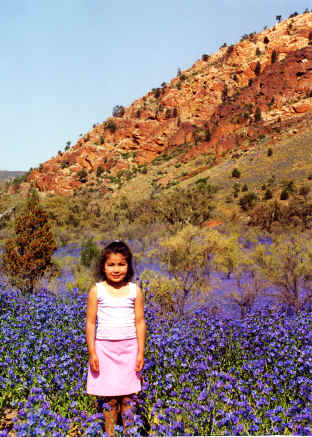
91,327
140,328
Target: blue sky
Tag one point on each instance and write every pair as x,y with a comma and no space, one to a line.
66,63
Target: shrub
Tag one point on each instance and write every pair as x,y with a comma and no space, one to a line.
118,111
236,173
156,92
266,40
258,52
99,171
89,253
248,201
268,194
270,152
168,113
205,57
245,187
82,176
258,115
273,56
28,256
284,194
111,125
258,68
207,134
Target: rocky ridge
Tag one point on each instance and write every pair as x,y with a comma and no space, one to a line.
224,102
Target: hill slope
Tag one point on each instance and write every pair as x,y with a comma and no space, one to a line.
258,88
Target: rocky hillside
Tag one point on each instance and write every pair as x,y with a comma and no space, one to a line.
259,87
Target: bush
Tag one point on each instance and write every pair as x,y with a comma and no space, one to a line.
89,253
118,111
236,173
99,171
273,56
258,114
258,69
284,194
111,125
266,40
248,201
270,151
268,194
82,176
28,256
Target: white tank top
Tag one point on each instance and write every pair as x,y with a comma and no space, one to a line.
115,315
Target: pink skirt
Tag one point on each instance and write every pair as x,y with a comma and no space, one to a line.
117,375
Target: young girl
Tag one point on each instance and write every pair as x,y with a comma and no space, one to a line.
116,344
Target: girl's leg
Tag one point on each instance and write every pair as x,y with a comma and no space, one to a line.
110,411
127,411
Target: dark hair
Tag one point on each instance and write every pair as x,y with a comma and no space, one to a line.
114,247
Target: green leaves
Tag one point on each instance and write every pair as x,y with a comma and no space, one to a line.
28,256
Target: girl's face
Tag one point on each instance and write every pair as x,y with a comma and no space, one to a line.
115,268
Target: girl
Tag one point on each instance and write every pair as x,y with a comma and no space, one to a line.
116,344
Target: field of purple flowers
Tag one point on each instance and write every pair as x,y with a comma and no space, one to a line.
203,375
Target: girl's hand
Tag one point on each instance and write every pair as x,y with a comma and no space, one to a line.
94,363
139,363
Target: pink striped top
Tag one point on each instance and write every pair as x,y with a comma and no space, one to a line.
115,315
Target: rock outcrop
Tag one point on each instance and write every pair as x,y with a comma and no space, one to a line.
253,88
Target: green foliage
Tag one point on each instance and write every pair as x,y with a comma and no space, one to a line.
248,201
288,267
27,257
236,173
82,176
83,279
118,111
268,194
99,171
89,252
186,256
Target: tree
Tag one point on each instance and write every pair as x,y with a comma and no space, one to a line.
28,256
257,68
236,173
187,257
118,111
278,18
288,267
